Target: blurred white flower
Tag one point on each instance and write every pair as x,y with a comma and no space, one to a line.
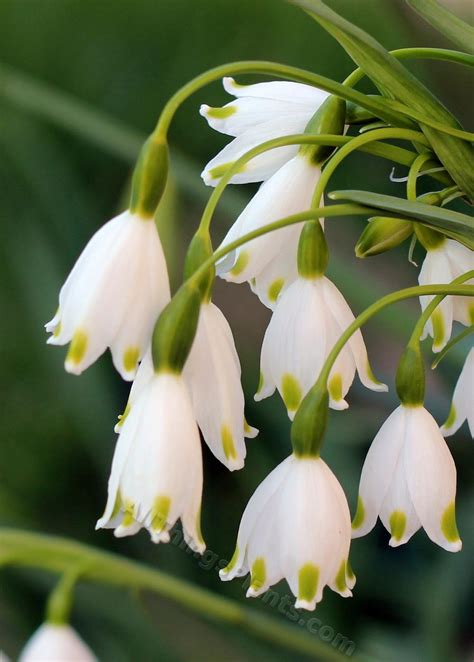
462,407
409,481
441,265
308,319
56,643
113,295
260,113
156,474
269,262
296,526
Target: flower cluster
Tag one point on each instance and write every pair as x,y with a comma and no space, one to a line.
186,373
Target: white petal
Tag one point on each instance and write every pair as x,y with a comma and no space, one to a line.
245,113
397,512
266,164
436,269
293,348
378,471
462,406
149,293
288,192
238,565
314,529
278,90
431,478
212,372
56,643
341,311
279,273
99,304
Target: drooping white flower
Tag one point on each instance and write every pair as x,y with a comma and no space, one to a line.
296,526
156,473
269,262
308,319
260,113
56,643
113,295
409,481
441,265
212,372
462,407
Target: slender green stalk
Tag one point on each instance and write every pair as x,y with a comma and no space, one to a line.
388,110
431,307
377,148
415,169
357,143
378,107
440,54
61,599
61,555
447,348
309,215
388,300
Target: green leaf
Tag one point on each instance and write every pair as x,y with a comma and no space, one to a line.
397,83
451,223
459,32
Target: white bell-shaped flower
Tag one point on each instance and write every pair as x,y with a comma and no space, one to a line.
462,407
296,526
212,375
260,113
442,265
308,319
212,372
271,258
156,473
113,295
409,481
56,643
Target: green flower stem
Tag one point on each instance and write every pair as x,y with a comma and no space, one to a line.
388,300
378,107
357,143
415,169
401,115
379,149
61,599
60,555
441,54
390,152
431,307
447,348
309,215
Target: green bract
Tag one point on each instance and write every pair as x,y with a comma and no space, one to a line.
149,177
175,329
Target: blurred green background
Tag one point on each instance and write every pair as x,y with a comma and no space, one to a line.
62,174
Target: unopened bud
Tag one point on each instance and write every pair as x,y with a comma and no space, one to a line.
382,233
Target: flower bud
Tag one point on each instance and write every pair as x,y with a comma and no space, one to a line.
149,177
410,379
382,233
328,119
175,329
199,250
309,425
313,253
427,237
